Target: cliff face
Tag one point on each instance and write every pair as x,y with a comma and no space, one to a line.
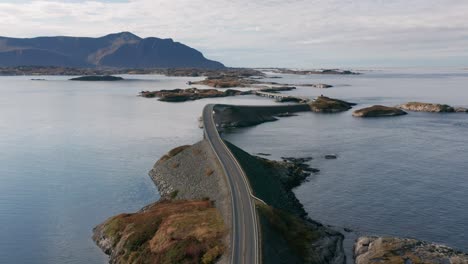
123,50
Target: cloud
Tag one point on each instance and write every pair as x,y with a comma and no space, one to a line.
303,33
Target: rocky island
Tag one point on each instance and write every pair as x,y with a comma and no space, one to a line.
190,94
373,250
226,82
379,111
309,72
325,104
98,78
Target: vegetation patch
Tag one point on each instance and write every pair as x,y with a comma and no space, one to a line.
165,232
293,229
174,152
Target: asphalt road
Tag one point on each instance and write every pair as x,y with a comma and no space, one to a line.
245,241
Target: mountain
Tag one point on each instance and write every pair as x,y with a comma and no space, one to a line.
122,50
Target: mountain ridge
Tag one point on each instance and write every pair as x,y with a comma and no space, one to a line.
120,50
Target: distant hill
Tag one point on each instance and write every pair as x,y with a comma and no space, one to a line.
123,50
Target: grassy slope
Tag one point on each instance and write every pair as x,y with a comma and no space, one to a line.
167,232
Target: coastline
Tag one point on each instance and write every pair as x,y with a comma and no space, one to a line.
334,252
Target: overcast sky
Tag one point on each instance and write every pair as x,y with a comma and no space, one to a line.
292,33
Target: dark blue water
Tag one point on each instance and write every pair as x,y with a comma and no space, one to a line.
404,176
73,154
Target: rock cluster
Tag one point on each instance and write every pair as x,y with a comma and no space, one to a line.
370,250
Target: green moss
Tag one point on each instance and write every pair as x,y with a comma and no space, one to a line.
212,255
113,228
184,251
174,194
143,233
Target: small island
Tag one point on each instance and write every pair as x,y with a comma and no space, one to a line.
325,104
97,78
190,94
379,111
322,71
432,108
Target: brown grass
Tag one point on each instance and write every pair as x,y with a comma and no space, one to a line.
174,152
169,232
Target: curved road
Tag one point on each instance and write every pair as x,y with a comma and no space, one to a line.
245,241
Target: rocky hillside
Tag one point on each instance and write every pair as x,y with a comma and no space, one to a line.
190,224
123,50
369,250
288,234
165,232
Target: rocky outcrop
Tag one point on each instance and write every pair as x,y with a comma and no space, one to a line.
378,111
329,105
227,82
369,250
189,223
427,107
230,116
308,72
277,89
288,234
190,94
321,85
461,110
164,232
97,78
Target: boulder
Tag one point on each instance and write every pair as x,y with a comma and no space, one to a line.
379,111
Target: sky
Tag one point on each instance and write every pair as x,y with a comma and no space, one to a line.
267,33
